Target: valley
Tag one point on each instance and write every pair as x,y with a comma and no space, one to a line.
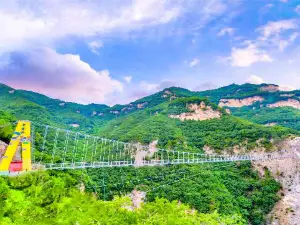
232,120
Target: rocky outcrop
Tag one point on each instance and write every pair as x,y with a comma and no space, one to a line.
141,105
137,198
287,103
270,88
114,112
287,95
75,125
142,153
240,102
270,124
3,147
287,172
199,113
166,94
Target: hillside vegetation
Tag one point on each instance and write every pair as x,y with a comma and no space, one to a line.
89,118
43,198
178,119
218,133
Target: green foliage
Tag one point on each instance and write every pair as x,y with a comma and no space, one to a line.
226,188
221,133
52,199
6,126
283,116
181,105
235,195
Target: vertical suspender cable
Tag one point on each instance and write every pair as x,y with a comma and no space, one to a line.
75,148
44,143
55,145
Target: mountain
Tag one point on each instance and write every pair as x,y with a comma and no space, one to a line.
223,118
232,118
256,103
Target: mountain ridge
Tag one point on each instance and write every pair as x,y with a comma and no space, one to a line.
56,111
177,119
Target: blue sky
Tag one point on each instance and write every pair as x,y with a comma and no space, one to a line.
117,51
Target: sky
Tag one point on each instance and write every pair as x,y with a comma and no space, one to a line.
117,51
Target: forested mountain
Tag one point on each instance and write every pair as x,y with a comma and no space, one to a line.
256,103
235,117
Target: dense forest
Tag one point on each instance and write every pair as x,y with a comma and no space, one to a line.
231,194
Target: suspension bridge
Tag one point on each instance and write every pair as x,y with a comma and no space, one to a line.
35,146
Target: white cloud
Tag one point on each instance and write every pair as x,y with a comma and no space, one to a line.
128,79
253,79
282,44
28,23
226,31
63,76
275,28
244,57
194,62
297,9
25,22
94,46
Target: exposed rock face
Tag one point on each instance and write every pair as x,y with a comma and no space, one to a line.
287,172
115,112
200,112
152,148
82,187
270,124
62,103
94,113
270,88
240,102
11,91
3,147
141,105
228,111
172,98
287,95
137,198
288,103
166,94
142,153
75,125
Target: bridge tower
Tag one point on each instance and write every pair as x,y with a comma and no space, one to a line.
17,156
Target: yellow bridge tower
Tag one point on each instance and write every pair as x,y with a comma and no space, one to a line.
21,137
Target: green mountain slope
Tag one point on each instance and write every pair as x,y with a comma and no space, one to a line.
179,119
37,107
45,198
218,133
